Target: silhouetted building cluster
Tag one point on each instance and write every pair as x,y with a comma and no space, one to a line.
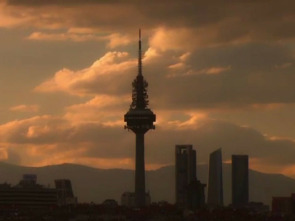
240,180
190,192
28,194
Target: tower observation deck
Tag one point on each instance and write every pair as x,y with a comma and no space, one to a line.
139,119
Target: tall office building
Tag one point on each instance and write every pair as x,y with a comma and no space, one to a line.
139,119
240,180
215,184
65,193
189,191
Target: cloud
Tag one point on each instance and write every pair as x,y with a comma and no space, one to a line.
56,2
108,75
202,56
192,24
216,70
26,108
226,77
81,35
284,65
172,39
13,18
64,37
48,140
102,108
233,139
117,39
9,155
38,129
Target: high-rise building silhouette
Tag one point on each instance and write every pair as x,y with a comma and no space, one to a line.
215,184
240,180
139,119
189,191
65,193
185,171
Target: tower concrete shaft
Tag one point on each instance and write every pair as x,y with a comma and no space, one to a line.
139,119
139,171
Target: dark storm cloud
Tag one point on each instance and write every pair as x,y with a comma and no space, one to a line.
254,74
230,20
213,92
58,2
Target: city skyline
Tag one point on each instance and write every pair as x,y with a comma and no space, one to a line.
219,74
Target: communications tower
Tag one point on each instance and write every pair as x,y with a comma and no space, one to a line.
139,119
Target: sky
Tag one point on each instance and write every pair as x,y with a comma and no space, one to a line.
221,75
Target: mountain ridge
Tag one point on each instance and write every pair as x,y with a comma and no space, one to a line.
95,185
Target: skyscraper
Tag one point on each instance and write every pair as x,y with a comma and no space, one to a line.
240,180
215,184
65,193
189,192
139,119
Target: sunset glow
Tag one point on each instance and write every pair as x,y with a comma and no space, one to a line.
220,75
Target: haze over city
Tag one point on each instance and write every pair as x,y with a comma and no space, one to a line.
221,74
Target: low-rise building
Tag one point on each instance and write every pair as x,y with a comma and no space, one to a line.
283,205
27,194
128,199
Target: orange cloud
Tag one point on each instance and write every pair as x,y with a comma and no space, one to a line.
64,37
171,39
102,76
105,109
82,34
181,120
190,38
289,171
268,167
102,141
117,39
12,18
195,24
26,108
216,70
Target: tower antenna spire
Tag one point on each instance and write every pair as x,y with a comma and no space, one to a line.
139,53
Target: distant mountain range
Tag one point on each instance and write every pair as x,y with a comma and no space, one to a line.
96,185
